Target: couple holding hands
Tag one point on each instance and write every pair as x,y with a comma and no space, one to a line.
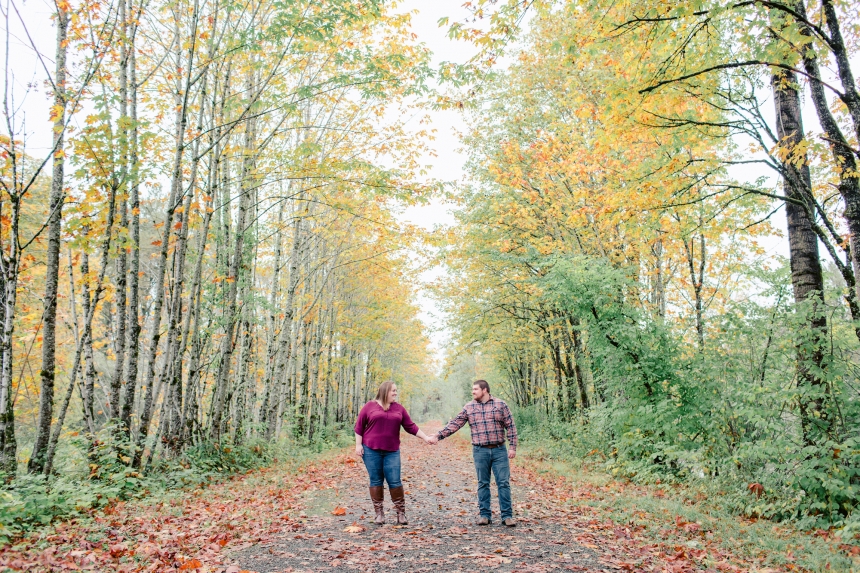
377,441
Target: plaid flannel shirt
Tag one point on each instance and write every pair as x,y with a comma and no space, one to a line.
487,421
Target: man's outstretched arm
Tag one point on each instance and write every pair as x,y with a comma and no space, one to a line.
455,424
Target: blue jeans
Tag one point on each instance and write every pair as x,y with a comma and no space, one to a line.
495,460
382,464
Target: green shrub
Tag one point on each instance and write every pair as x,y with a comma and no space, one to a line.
93,473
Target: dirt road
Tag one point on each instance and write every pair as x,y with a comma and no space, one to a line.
336,530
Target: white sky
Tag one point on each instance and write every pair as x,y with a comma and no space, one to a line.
447,165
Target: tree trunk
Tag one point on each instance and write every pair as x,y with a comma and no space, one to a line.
114,408
133,341
697,279
8,443
287,334
806,273
52,255
88,391
91,306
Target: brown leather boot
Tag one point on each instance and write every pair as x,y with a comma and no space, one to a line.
399,504
377,496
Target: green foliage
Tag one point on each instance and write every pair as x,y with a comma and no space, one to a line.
94,474
561,447
726,417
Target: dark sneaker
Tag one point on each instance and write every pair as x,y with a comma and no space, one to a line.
510,522
483,521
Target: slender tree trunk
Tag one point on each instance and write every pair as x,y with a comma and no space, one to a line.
274,334
114,406
133,341
92,307
194,374
697,279
176,340
659,290
287,334
582,365
8,443
88,391
54,438
52,255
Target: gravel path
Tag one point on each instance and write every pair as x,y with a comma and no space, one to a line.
335,528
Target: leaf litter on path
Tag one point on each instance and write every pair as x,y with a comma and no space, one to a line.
320,519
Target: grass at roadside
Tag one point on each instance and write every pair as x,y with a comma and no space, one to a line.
689,518
171,527
89,484
183,529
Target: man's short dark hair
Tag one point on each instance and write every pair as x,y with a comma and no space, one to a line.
482,384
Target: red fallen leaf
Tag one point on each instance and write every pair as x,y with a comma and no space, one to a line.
189,565
691,527
117,550
756,488
339,511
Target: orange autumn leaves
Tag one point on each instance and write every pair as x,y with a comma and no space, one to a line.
567,159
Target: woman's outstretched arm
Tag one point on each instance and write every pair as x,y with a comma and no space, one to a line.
423,436
412,428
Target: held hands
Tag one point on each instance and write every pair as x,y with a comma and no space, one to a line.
359,450
432,440
512,454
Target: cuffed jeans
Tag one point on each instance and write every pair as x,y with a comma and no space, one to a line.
493,460
382,464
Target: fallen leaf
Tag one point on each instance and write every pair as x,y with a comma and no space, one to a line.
339,511
354,528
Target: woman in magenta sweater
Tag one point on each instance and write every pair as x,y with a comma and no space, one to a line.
377,441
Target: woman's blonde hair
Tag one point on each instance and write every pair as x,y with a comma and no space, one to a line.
382,394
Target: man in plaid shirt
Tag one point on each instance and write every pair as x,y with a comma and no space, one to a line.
488,418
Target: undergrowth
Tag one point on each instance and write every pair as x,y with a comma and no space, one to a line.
658,504
94,473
